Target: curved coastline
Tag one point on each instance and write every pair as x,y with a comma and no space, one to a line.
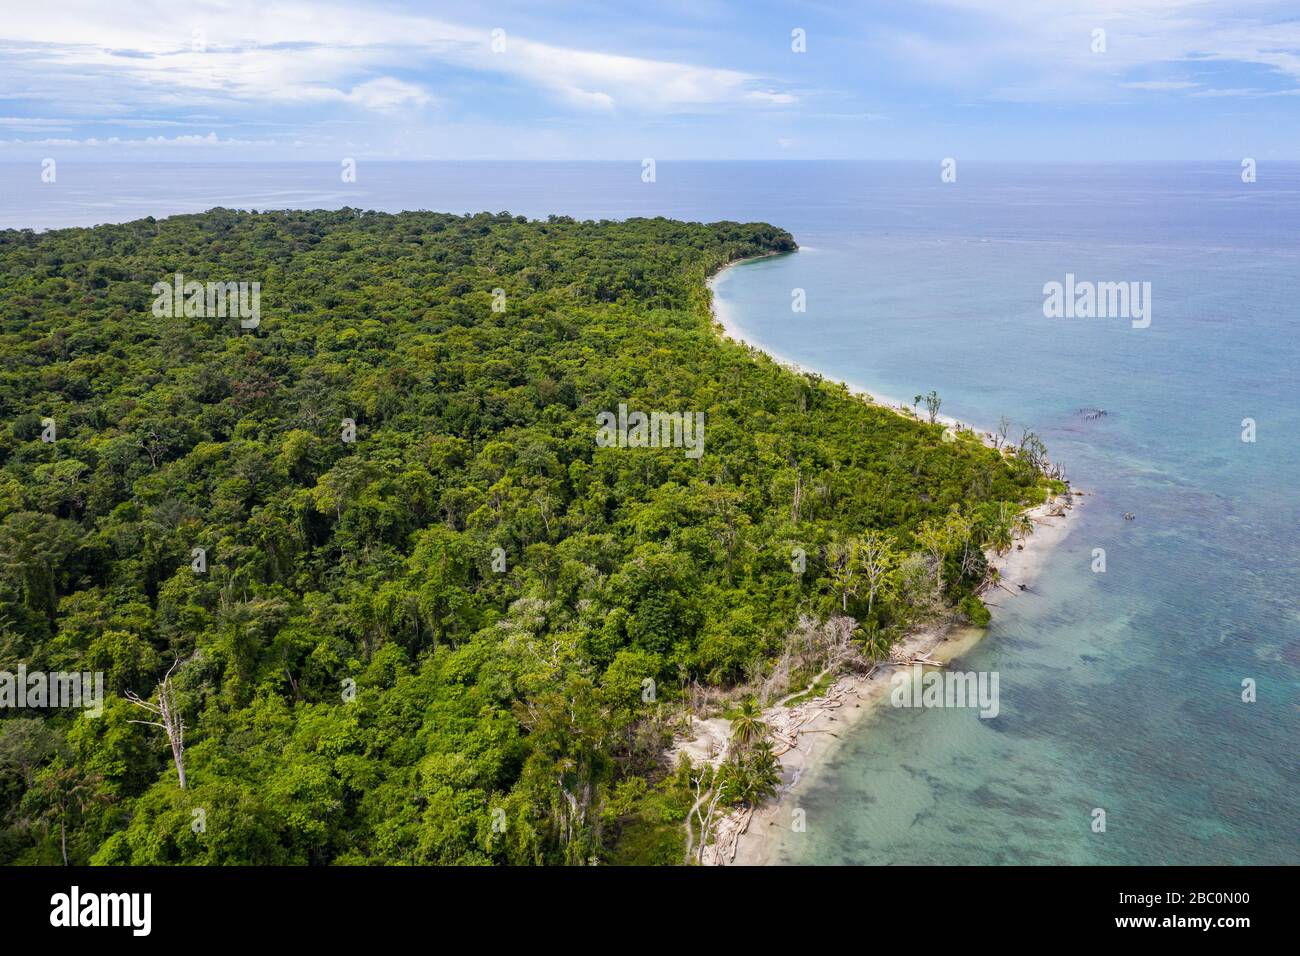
732,330
810,731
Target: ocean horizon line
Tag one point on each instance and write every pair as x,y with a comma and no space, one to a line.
588,161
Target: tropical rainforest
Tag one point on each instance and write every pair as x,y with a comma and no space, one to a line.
430,620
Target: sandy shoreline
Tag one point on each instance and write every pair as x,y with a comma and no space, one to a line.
806,734
732,331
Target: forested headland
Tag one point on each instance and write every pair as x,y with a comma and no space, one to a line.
372,556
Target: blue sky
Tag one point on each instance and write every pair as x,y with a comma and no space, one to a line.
978,79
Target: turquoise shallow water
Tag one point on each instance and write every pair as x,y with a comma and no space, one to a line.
1118,690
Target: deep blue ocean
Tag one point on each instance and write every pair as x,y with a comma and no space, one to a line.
1119,690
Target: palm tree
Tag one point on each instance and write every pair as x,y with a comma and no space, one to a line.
875,645
64,794
752,778
999,533
747,727
763,775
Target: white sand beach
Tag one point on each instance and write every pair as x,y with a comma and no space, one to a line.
805,734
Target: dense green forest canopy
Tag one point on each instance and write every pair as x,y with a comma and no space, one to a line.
430,644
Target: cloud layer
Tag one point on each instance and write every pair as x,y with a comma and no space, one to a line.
377,76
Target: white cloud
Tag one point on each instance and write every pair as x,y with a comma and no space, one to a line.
1236,91
32,124
767,97
342,53
1245,91
211,140
1160,85
1046,47
387,94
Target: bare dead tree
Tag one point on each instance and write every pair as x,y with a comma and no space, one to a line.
706,803
169,718
798,497
843,557
878,560
151,445
932,405
837,643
